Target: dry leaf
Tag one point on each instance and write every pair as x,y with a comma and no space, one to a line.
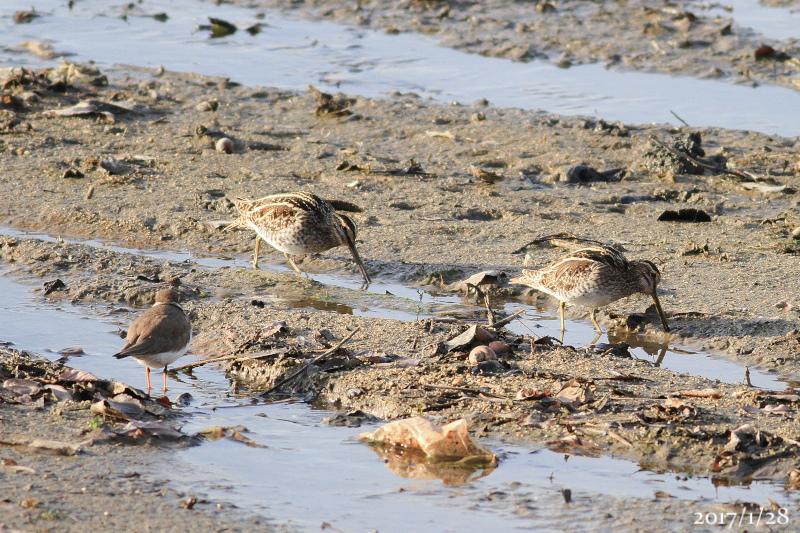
777,409
451,444
527,394
269,330
474,334
737,436
9,465
71,374
127,409
21,387
60,393
52,447
136,429
574,393
487,277
219,432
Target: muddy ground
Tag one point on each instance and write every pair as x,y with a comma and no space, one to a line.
447,191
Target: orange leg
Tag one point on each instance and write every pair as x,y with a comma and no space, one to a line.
165,381
147,370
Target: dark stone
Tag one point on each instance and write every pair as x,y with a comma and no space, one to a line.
658,159
685,215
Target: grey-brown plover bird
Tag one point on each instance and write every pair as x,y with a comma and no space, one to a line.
160,336
298,223
593,277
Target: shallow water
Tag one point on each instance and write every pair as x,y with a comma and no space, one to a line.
776,22
422,303
292,53
312,473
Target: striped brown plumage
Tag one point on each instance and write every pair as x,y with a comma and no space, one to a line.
593,277
299,223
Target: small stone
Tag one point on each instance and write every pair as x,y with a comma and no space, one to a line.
480,354
208,105
225,145
499,347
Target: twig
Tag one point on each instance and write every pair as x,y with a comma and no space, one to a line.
205,361
485,295
506,320
620,439
679,118
339,345
468,390
678,153
702,393
306,364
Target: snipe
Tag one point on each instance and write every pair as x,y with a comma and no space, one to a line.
593,277
299,223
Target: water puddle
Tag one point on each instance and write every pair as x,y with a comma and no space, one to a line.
310,473
776,21
322,474
295,52
33,324
414,303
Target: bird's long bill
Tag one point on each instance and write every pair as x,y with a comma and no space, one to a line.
661,314
357,259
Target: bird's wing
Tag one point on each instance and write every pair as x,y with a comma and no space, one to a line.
151,334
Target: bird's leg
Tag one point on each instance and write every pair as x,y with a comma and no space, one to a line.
255,253
597,338
165,380
594,321
561,306
147,371
291,262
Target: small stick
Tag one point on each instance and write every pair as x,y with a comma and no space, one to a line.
339,345
506,320
485,295
306,364
90,192
468,390
620,439
205,361
703,393
679,118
